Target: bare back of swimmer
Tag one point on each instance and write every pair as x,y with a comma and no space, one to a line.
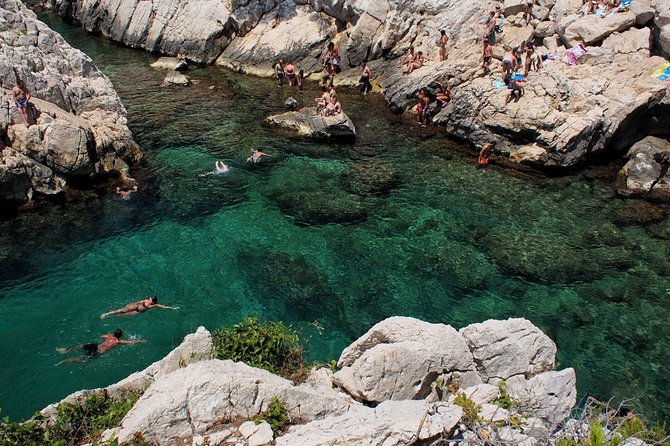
138,307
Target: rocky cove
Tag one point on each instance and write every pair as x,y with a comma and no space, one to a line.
589,268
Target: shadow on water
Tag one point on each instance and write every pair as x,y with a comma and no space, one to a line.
399,223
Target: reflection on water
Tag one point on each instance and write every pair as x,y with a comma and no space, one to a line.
420,232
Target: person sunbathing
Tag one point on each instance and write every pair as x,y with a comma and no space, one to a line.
138,307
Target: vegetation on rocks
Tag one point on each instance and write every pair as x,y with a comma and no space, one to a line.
74,424
276,415
267,345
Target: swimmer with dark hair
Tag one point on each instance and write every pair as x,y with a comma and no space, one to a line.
138,307
94,349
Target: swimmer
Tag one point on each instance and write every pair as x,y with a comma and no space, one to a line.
124,192
94,349
138,307
256,156
220,168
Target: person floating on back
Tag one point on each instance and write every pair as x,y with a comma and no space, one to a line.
94,349
138,307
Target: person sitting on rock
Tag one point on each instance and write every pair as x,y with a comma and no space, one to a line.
256,156
515,89
418,62
125,191
290,74
94,349
422,108
138,307
22,100
443,96
279,72
408,58
322,100
334,108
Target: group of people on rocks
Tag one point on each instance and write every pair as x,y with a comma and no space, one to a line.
603,7
328,104
289,72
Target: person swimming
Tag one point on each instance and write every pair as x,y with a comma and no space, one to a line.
93,349
220,168
256,156
138,307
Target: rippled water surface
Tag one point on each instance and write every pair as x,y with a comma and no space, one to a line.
425,234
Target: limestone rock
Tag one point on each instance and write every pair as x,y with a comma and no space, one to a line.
549,396
505,348
291,103
662,21
545,29
307,123
399,358
195,347
591,28
21,175
176,78
391,423
513,7
646,172
170,63
256,434
631,41
76,116
189,400
643,10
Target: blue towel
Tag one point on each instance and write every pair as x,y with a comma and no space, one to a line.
518,77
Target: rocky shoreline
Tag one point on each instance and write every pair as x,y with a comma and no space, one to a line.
78,125
568,115
402,382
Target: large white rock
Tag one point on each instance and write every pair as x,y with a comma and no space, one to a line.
644,173
591,28
631,41
399,358
392,423
307,123
505,348
549,396
191,400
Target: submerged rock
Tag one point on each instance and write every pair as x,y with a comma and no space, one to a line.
322,207
170,63
312,125
175,78
371,177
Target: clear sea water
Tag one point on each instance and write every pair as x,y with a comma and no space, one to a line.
424,234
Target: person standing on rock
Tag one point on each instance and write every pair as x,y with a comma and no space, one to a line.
422,107
94,349
528,12
329,77
487,55
290,74
22,100
510,64
300,80
485,153
279,72
366,86
332,55
443,45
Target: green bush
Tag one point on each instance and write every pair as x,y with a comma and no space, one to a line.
276,416
504,401
74,423
470,408
266,345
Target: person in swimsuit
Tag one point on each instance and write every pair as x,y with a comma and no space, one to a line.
329,77
94,349
300,80
418,62
510,64
528,12
125,191
334,108
279,72
332,55
322,100
487,55
408,58
485,153
138,307
443,96
515,89
256,156
21,100
290,74
443,45
366,86
422,108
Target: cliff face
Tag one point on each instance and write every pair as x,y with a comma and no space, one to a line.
568,113
403,382
77,122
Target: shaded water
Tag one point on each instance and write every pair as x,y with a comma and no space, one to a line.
428,235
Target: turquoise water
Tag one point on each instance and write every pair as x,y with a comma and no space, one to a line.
400,223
